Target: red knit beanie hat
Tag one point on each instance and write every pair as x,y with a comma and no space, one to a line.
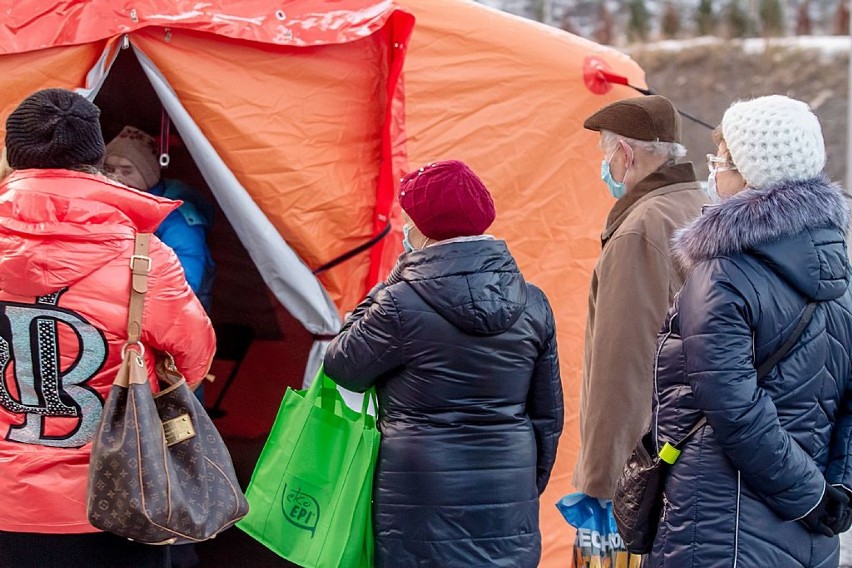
447,200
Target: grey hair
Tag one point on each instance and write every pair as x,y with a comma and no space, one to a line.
669,150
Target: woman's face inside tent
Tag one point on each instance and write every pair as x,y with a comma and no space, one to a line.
125,172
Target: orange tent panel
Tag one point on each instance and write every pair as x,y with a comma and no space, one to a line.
30,25
23,73
303,132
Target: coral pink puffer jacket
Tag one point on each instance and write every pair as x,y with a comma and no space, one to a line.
65,244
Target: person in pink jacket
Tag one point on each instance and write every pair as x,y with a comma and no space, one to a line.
66,237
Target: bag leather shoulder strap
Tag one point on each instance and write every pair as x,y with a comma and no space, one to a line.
140,266
767,365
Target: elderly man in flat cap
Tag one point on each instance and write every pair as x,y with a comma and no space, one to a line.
634,282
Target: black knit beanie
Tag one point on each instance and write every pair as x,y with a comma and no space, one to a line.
54,128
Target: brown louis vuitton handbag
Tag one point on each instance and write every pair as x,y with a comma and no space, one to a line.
159,472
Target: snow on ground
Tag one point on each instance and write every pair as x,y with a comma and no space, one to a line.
829,45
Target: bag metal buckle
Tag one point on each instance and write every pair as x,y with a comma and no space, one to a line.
136,257
137,344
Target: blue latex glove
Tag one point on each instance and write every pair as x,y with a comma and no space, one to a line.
585,512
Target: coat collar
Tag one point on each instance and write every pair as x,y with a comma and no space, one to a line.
667,179
143,211
755,217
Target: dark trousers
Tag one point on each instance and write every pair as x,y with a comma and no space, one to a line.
90,550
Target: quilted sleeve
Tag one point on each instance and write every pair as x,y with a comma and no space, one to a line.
839,469
370,346
544,401
717,307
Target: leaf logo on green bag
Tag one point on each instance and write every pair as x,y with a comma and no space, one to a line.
301,509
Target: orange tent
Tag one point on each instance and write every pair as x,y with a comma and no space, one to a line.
298,118
296,105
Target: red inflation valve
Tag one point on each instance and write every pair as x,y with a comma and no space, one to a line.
598,77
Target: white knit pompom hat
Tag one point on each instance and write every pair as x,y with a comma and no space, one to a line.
773,139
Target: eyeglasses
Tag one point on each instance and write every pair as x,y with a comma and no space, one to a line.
717,164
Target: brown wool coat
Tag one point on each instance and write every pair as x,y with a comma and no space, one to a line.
634,282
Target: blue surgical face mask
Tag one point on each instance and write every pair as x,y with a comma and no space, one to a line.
616,188
406,244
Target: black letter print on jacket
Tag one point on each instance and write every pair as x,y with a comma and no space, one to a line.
29,340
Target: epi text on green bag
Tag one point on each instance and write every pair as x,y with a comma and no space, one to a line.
300,508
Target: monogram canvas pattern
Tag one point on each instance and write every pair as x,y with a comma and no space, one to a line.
147,491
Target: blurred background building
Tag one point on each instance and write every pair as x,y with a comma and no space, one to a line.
621,22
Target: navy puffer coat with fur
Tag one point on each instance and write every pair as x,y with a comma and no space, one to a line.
734,496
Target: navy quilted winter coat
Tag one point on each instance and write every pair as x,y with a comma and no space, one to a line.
463,354
735,494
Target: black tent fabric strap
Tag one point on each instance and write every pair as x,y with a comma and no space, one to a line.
355,251
689,116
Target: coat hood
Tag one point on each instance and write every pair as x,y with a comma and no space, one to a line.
797,229
473,284
58,226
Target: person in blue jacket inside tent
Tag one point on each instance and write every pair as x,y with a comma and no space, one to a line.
133,158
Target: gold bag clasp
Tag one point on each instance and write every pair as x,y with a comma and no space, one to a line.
178,429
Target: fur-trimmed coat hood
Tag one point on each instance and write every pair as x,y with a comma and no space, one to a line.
796,228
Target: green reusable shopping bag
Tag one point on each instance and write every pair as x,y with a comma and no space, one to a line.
311,492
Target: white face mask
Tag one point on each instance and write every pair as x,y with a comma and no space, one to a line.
716,164
711,190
